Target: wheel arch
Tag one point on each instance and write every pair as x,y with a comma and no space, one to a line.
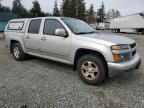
11,44
15,41
82,51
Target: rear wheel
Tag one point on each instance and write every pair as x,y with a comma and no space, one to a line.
143,31
17,52
115,30
118,30
91,69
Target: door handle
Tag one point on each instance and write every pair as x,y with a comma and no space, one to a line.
43,38
27,37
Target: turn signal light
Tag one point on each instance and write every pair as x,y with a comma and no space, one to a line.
116,57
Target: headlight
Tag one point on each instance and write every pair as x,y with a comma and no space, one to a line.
120,47
120,57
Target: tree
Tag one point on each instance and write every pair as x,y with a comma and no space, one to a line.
56,11
74,8
19,9
81,10
70,8
48,14
36,10
0,6
0,3
4,9
61,8
91,15
66,8
112,13
117,14
101,13
91,10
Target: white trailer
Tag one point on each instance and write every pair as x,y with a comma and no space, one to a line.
130,23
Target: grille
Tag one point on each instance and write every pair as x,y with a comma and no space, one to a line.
133,53
133,45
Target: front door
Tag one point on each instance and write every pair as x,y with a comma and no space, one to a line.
52,45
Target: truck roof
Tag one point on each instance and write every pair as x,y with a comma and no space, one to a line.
38,17
16,24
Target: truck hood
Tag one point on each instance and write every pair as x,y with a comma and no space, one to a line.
108,38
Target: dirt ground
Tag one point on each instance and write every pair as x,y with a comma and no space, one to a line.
39,83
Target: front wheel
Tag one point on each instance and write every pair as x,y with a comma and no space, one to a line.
91,69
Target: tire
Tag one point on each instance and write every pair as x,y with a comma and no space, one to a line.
115,30
143,31
118,31
18,52
88,74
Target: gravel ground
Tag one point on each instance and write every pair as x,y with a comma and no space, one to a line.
39,83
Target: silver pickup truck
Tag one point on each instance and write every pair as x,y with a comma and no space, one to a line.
96,56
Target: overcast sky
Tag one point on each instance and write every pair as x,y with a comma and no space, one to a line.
126,7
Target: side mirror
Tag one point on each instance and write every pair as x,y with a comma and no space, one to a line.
61,32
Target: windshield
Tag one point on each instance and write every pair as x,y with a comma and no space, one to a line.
78,26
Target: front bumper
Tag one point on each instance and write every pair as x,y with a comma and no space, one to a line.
118,68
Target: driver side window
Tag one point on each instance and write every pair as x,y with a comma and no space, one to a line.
51,25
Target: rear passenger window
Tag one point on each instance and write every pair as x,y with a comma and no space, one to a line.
17,25
34,26
51,25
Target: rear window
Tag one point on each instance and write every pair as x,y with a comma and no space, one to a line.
34,26
18,25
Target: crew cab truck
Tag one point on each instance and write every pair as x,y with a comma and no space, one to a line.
94,55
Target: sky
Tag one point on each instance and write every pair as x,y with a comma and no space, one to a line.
126,7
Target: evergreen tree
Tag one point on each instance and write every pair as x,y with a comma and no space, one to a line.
117,14
101,13
56,11
61,8
91,10
66,8
90,15
81,10
19,9
5,9
48,14
73,9
36,10
112,13
0,6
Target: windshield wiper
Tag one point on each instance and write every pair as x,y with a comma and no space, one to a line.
86,32
92,32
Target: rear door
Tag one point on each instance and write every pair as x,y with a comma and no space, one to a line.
33,36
